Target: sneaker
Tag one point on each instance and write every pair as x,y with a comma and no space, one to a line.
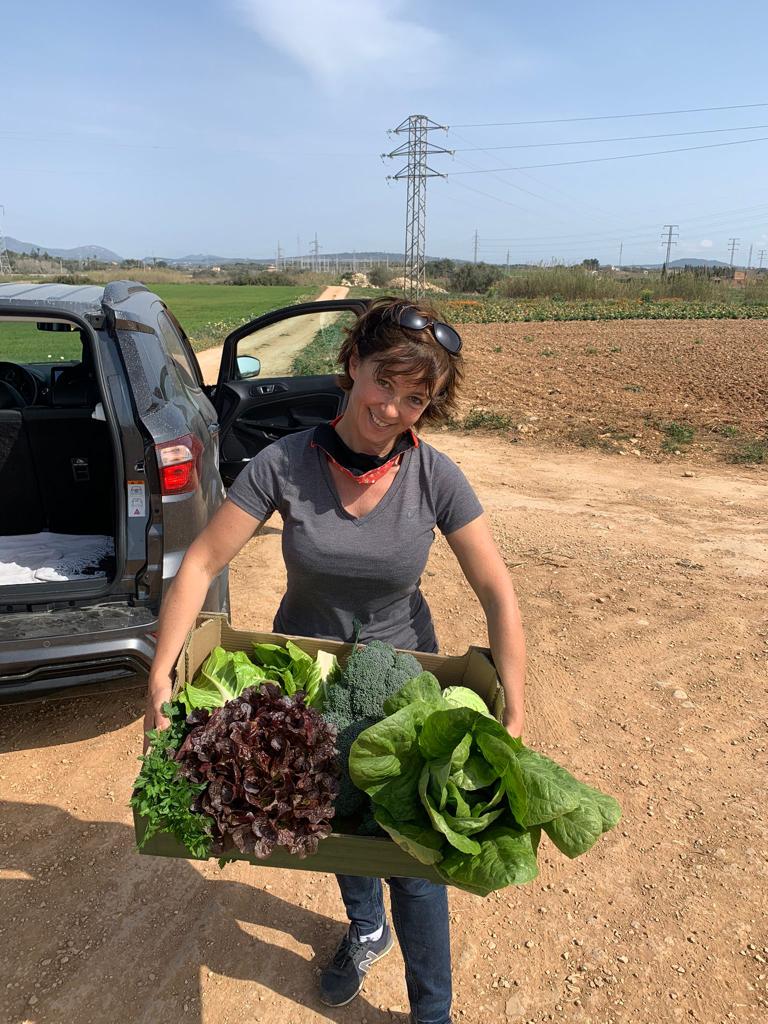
343,978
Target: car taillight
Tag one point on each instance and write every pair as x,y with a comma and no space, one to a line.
179,464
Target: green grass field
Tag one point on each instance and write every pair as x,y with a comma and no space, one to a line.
207,312
198,307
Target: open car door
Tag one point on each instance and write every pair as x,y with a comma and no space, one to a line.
258,398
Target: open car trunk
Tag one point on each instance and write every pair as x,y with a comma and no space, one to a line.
57,486
57,519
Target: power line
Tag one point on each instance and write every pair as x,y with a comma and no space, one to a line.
623,138
602,159
607,117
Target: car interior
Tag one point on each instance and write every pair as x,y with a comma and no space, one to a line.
56,477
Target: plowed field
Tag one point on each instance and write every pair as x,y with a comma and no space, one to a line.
624,386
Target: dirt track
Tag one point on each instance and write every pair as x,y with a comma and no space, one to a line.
276,346
643,593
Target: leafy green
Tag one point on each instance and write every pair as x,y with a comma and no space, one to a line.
222,677
463,697
163,797
507,857
454,789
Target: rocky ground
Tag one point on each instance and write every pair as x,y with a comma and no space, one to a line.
642,584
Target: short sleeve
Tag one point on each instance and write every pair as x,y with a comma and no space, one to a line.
456,504
259,487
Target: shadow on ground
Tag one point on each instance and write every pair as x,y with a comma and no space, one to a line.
93,931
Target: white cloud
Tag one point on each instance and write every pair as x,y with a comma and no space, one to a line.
337,41
706,243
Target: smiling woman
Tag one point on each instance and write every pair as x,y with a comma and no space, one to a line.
360,499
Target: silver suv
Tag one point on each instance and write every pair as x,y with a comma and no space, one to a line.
113,456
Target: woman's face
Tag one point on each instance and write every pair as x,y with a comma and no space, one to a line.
381,406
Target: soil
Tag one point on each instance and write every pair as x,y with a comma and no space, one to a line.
642,586
637,387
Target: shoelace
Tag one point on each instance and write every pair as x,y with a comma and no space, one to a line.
348,950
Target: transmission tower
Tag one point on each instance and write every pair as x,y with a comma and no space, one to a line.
761,254
5,263
315,248
671,230
734,245
416,172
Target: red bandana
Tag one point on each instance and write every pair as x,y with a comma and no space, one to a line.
358,466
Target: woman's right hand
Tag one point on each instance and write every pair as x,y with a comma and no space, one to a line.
159,692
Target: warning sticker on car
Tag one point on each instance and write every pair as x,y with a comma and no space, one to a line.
137,503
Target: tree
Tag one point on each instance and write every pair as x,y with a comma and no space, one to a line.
591,264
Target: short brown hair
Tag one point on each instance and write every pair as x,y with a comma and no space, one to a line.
405,352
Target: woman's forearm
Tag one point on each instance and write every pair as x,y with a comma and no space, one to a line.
180,608
507,641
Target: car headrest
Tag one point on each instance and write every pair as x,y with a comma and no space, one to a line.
72,393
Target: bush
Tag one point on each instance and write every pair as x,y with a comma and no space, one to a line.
473,277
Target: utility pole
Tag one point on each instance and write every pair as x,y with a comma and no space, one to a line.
761,253
315,254
507,260
474,259
5,263
671,230
734,245
416,172
749,261
621,252
279,256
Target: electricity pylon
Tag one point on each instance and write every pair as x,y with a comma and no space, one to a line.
5,263
416,172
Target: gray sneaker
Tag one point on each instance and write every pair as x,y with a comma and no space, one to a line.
343,978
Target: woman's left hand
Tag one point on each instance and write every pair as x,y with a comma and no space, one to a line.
513,723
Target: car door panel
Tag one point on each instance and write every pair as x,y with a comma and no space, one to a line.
255,412
253,421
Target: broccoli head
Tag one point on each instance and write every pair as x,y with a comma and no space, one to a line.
356,700
350,799
375,672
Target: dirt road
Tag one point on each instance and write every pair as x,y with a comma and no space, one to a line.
278,345
643,593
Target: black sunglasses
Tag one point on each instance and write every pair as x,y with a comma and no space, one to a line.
445,335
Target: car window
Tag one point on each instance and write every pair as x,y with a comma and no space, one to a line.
23,342
297,346
177,351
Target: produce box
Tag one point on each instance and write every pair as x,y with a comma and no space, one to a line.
342,852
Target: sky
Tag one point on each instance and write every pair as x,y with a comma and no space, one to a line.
229,126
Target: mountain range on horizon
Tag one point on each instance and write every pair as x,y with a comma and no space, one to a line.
104,255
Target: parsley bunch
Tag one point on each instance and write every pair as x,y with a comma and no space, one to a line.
163,797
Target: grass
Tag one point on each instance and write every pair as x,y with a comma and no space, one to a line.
207,312
319,356
753,452
484,419
23,343
202,309
677,435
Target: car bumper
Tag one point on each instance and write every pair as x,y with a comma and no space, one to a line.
36,668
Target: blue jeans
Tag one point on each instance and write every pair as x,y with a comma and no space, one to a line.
420,917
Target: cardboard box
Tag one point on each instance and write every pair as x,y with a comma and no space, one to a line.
342,853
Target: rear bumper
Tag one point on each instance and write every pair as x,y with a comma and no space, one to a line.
35,667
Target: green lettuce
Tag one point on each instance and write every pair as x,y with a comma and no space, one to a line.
455,790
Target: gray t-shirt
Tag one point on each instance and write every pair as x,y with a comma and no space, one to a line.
342,568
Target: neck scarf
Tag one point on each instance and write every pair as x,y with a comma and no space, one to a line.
358,466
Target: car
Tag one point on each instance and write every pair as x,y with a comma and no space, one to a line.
114,454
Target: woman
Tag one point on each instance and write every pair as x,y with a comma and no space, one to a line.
359,499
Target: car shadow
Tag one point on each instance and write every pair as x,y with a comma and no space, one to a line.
69,716
94,931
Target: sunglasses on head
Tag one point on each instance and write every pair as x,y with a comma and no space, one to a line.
446,336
